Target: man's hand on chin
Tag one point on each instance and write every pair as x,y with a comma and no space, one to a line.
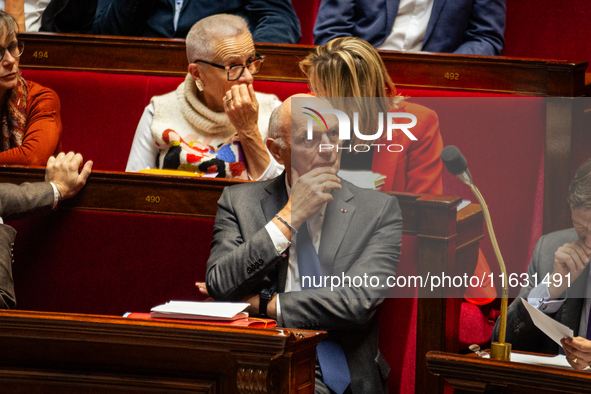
309,192
571,259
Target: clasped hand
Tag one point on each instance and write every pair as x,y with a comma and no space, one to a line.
62,171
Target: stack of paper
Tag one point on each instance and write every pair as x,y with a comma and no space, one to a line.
201,310
363,179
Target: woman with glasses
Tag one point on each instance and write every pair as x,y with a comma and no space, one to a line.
214,122
30,114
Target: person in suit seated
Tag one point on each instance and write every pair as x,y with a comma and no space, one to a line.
214,122
275,240
27,13
559,283
269,20
62,180
30,119
474,27
351,67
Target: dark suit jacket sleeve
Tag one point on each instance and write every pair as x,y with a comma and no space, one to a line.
347,308
235,266
273,21
336,18
15,202
486,29
122,17
25,200
522,334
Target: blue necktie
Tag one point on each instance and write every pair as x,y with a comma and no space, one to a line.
331,357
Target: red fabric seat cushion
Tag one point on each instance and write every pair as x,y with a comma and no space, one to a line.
108,263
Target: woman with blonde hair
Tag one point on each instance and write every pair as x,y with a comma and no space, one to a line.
349,70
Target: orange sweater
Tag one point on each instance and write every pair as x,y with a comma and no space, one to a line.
44,129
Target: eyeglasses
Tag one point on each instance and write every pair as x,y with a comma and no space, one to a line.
236,71
333,138
16,50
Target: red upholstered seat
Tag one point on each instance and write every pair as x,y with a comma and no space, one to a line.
100,112
108,263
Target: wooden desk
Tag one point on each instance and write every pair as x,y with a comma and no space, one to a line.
423,70
471,374
67,353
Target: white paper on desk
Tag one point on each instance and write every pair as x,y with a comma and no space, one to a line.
553,361
203,310
555,330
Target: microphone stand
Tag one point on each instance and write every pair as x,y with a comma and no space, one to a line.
499,350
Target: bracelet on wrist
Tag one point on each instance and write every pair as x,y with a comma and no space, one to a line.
292,228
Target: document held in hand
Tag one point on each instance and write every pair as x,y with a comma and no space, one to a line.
549,326
223,311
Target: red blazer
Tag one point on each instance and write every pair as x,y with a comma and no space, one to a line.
418,167
44,129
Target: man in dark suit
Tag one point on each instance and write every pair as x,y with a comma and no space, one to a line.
473,27
355,232
62,180
561,260
269,20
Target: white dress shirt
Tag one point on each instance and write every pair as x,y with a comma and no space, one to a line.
410,26
33,12
281,243
178,4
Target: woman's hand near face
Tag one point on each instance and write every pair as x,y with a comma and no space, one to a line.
242,108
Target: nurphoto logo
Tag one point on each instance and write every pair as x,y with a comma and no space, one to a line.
345,129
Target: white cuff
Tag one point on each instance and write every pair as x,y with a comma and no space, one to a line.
278,308
56,195
273,170
279,241
539,298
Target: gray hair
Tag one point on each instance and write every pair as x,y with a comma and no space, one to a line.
8,25
579,191
277,126
203,35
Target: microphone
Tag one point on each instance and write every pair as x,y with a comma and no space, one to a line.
456,164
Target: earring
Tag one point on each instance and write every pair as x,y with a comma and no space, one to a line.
199,84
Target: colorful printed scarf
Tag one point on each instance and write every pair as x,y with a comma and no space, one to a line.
14,116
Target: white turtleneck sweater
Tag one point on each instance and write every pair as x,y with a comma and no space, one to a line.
190,119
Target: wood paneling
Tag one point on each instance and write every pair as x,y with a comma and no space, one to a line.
67,353
471,374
